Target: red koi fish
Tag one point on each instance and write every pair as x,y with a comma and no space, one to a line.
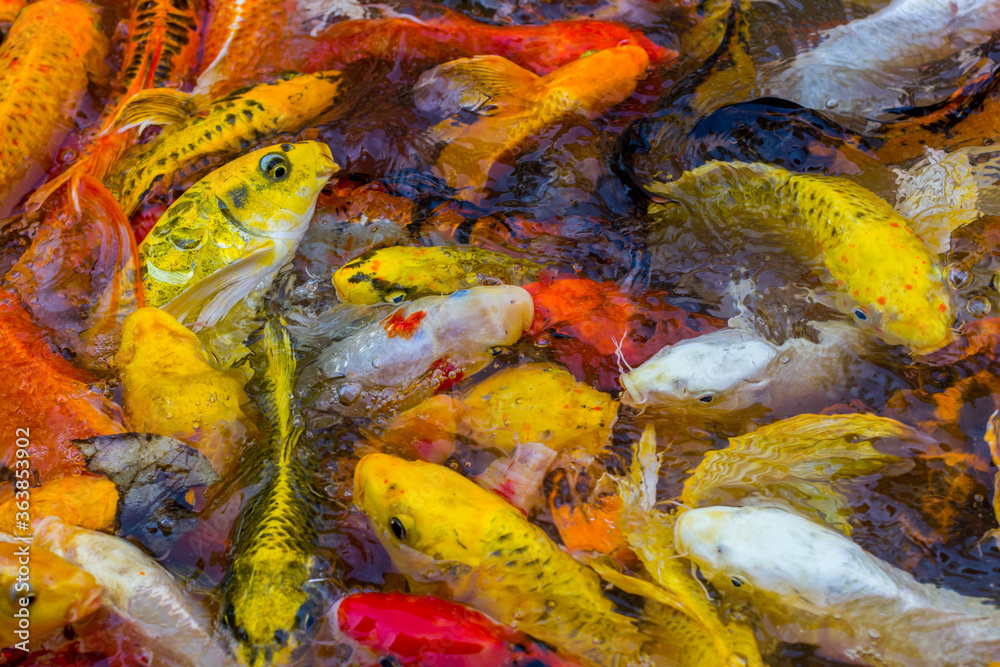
593,327
409,41
47,402
425,631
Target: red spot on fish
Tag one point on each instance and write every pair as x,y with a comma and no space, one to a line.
857,293
448,373
843,258
942,308
908,286
894,224
397,325
881,300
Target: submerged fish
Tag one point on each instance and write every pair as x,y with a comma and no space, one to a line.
171,388
864,67
442,529
230,233
516,104
138,589
730,370
425,631
877,269
818,587
269,602
404,273
53,594
52,50
228,126
51,404
417,349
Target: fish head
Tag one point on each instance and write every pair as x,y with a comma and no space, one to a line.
272,192
269,607
150,330
770,553
55,593
386,275
714,371
483,317
432,521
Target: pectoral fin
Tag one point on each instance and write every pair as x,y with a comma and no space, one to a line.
211,299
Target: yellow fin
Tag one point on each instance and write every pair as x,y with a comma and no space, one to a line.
210,299
154,106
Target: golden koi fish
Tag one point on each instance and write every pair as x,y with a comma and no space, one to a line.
443,529
236,227
878,269
169,387
521,104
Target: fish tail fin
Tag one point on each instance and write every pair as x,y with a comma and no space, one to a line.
154,106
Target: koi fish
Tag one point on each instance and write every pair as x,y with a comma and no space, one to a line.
443,531
404,273
268,600
169,387
223,127
422,631
420,348
138,589
521,105
230,233
53,49
818,587
51,405
55,592
730,370
901,294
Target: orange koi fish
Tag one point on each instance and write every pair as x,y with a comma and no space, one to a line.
47,402
80,276
88,501
52,50
521,105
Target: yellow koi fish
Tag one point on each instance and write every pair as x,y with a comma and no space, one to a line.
442,529
517,104
268,601
52,50
236,227
54,594
225,127
878,269
171,388
404,273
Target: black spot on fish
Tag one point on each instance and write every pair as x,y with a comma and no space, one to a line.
239,195
231,119
286,147
358,278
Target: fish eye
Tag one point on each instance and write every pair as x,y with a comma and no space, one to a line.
396,526
736,582
388,661
395,297
281,637
861,314
275,166
706,398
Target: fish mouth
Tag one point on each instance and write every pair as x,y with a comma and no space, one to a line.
327,166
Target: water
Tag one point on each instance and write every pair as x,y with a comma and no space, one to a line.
563,200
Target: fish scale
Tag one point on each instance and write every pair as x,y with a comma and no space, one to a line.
52,49
230,125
